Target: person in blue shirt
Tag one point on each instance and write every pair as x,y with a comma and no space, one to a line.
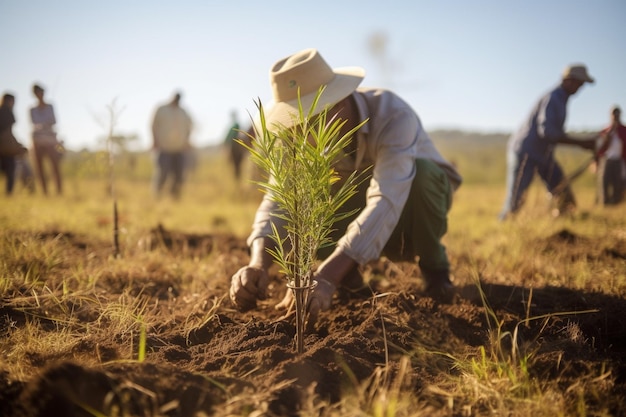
531,148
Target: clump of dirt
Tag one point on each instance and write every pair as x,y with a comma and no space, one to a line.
565,236
568,244
234,362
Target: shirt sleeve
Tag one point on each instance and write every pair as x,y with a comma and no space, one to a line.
156,124
189,126
53,118
261,227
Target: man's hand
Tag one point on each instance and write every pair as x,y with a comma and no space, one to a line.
320,299
287,301
248,285
329,275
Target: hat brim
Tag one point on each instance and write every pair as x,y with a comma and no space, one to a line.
581,79
586,79
285,113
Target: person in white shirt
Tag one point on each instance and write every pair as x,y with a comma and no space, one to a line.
402,208
171,130
612,161
46,146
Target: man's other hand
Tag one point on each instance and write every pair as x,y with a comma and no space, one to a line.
320,299
248,285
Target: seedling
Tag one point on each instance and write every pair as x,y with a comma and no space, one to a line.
300,178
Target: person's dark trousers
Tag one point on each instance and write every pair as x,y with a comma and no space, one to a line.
170,164
610,187
7,164
423,223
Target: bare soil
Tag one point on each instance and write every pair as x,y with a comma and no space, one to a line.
238,362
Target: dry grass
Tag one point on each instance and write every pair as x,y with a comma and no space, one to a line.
65,300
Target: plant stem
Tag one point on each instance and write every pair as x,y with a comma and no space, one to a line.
116,231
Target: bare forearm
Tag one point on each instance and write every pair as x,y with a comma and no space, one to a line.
336,267
587,143
567,140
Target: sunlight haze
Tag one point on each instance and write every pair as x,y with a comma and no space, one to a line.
462,65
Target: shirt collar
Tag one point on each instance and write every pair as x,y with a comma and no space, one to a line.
361,107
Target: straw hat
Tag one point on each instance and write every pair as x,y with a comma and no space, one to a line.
307,71
577,72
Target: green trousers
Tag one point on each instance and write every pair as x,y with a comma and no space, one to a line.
422,224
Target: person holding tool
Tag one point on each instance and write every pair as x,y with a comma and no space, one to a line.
531,148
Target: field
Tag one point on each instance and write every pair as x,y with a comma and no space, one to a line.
538,329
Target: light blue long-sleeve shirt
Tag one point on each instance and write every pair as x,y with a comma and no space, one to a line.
539,134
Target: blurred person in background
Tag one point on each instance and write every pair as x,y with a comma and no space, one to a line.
402,207
10,148
46,146
236,152
531,148
612,161
171,131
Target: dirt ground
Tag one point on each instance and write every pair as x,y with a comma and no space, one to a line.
246,364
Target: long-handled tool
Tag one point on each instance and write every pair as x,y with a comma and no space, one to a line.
564,184
563,198
575,174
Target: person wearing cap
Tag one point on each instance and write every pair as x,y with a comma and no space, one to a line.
402,208
612,161
531,148
171,129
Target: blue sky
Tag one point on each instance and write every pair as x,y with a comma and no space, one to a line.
474,65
